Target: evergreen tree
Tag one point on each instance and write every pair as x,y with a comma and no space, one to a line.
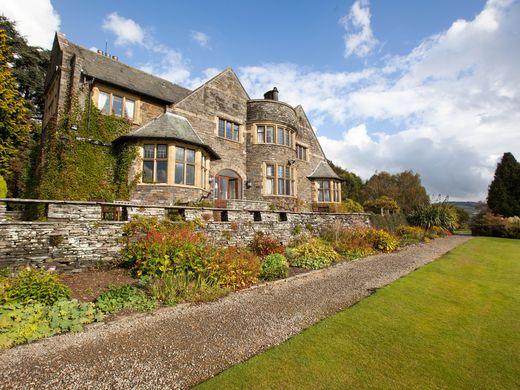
504,191
29,67
14,119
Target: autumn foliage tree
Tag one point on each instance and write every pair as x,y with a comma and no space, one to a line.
404,187
14,117
504,191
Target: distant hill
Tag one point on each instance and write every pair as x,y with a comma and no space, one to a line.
472,208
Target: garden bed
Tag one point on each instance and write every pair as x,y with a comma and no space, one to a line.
86,286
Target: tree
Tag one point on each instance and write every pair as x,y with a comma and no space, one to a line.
504,191
410,191
405,188
352,184
14,117
383,205
29,67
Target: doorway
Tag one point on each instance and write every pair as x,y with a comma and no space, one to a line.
229,186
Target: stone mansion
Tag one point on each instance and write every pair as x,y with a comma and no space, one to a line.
214,142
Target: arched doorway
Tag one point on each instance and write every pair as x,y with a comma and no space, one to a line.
228,186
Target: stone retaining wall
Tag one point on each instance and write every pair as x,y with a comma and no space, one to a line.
65,246
73,242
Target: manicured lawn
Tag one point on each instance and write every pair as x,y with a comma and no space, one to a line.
454,323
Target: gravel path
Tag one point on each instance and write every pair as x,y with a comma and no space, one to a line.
184,345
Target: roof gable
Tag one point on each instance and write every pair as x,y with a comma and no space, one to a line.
227,71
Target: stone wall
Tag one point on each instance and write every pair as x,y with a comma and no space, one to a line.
78,245
66,246
77,239
82,212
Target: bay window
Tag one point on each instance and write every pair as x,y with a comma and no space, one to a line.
271,134
155,163
329,191
184,166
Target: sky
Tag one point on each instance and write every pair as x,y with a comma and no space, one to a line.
427,86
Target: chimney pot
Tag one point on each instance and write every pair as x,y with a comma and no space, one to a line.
272,94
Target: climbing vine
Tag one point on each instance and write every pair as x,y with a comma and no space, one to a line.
79,160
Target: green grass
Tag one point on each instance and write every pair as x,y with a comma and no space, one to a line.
454,323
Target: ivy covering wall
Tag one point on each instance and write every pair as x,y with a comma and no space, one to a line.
79,161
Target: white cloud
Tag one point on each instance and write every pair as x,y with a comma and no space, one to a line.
201,38
455,100
359,38
36,20
127,31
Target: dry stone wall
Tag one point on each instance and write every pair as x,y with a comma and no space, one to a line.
72,242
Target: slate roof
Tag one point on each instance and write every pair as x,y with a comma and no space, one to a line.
323,171
170,126
115,72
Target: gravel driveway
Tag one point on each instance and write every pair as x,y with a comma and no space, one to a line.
180,346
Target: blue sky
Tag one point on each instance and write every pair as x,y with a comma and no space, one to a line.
430,86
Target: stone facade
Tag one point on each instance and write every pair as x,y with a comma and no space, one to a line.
240,163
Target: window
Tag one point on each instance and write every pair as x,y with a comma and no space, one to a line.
301,152
269,134
329,191
203,172
109,103
281,136
229,130
155,163
279,180
269,180
284,136
336,191
323,191
260,134
184,166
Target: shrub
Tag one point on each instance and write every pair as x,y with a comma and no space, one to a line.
437,214
351,206
173,288
179,249
347,206
32,285
391,222
436,231
313,254
382,240
263,245
235,268
25,323
411,233
125,297
159,251
3,187
316,262
488,224
274,266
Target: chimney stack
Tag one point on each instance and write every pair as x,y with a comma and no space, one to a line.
272,94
